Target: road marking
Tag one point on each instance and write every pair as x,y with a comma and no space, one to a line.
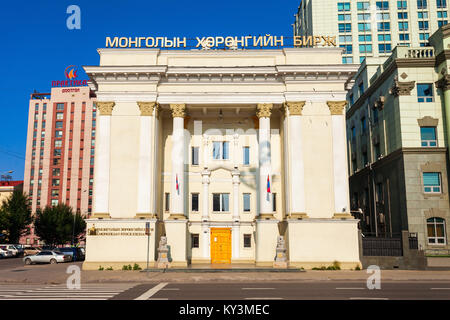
369,298
166,289
258,288
350,288
152,291
262,298
440,288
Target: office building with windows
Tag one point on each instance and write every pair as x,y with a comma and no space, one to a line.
221,152
371,28
59,165
397,131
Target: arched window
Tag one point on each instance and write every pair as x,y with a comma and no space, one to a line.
436,230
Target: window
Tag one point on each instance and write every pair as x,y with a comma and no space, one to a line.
424,92
363,16
442,23
361,88
221,202
55,182
375,115
362,27
59,115
345,38
220,150
45,106
246,202
382,16
343,6
402,5
382,5
92,152
352,100
423,25
92,161
353,134
404,36
363,6
194,240
363,125
54,202
431,182
377,150
365,158
58,133
402,15
441,3
347,60
246,155
348,48
442,14
344,17
91,182
403,26
384,47
345,27
56,172
365,48
194,154
35,125
58,143
36,107
384,26
58,124
60,106
194,202
274,202
436,231
421,4
365,38
424,36
55,193
167,199
428,136
247,240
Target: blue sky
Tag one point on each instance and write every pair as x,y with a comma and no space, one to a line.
36,45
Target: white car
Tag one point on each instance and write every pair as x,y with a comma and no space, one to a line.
47,256
10,248
5,253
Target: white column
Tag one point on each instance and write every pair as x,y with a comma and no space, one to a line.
235,231
205,241
102,160
155,154
341,193
236,154
145,173
177,196
205,196
235,236
265,198
296,167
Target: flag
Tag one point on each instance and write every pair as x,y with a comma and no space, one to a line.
268,184
177,182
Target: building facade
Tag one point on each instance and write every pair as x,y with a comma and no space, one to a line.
371,28
221,152
7,188
398,144
59,165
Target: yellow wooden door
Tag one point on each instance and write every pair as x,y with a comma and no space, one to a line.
220,245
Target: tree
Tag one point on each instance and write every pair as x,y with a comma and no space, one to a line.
15,216
55,224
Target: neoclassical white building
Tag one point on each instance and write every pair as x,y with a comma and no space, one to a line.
221,151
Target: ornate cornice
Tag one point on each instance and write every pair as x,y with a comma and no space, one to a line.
294,108
146,108
443,83
336,107
402,88
379,103
264,110
178,110
105,108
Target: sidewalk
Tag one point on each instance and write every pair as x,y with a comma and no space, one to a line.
56,274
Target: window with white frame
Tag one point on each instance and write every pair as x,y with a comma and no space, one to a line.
194,202
221,150
194,156
246,160
436,231
221,202
428,136
432,182
246,202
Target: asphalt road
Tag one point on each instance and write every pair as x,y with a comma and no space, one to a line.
10,263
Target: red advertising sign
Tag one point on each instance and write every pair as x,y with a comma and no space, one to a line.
71,81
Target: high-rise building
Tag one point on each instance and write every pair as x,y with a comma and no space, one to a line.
397,138
59,165
371,28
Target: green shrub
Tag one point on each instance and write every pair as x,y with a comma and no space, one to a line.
136,267
109,268
357,267
124,267
100,268
337,265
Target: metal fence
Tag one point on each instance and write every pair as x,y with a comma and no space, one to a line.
382,246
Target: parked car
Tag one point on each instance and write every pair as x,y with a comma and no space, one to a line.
46,256
19,248
75,253
5,253
10,248
31,250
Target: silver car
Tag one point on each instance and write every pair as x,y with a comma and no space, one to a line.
46,256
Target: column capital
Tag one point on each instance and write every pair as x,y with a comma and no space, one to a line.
443,83
178,110
105,107
235,174
264,110
294,108
146,107
336,107
205,176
